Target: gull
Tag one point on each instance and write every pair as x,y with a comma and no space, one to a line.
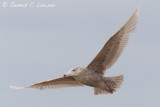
93,74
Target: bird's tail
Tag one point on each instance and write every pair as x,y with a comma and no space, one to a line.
112,83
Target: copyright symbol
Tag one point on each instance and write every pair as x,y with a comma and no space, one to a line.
5,4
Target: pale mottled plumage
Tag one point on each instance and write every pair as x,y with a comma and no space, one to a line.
53,83
114,46
92,75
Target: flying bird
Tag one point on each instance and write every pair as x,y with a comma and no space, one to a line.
93,74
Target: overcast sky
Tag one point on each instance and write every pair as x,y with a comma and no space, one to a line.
37,44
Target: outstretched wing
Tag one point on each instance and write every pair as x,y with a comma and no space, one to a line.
53,83
114,46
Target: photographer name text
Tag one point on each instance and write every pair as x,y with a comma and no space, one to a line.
24,5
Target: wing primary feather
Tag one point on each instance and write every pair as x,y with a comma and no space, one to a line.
113,48
53,83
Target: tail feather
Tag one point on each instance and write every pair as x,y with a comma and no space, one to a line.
112,82
118,80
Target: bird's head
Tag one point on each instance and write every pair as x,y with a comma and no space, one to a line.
73,72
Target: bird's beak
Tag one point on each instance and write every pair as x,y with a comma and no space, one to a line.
64,75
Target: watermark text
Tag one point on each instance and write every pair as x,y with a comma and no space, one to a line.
29,5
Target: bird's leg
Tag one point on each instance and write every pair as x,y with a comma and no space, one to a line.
110,90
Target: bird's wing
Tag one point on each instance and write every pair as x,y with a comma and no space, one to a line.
53,83
114,46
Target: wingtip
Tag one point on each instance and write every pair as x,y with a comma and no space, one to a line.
14,87
138,7
137,10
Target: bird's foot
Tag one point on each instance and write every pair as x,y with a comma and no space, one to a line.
109,90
